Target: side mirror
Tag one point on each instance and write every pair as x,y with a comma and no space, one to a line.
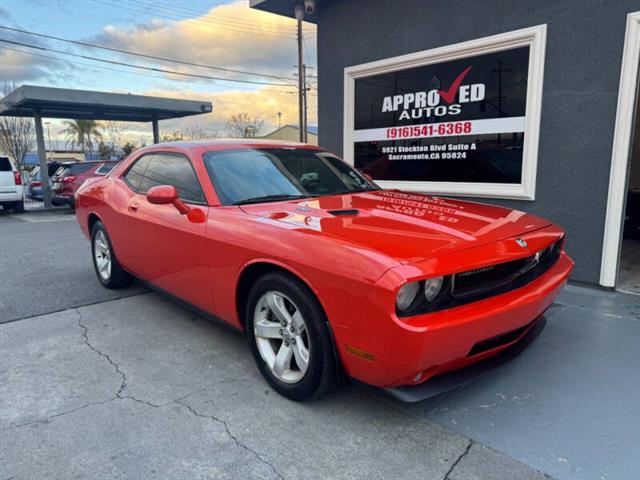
165,195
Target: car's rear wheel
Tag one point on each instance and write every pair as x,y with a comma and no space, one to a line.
18,207
289,337
106,265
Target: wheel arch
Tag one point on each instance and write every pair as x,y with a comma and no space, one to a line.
254,270
92,218
257,268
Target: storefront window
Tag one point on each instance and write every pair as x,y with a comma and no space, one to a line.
465,125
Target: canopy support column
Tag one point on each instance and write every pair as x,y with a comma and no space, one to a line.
156,131
42,155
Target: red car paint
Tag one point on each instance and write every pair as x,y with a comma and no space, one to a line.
355,265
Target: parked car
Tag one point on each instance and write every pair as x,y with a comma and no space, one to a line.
632,215
321,269
67,180
11,188
35,179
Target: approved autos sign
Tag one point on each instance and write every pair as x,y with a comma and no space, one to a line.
456,121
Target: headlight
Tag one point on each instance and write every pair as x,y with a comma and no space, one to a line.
432,288
406,295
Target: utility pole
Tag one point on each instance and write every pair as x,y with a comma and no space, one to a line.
299,14
304,100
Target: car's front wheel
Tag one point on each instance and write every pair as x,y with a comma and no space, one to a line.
289,337
106,265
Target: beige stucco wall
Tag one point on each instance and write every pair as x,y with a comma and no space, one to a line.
291,134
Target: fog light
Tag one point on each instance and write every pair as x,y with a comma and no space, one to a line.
432,288
406,295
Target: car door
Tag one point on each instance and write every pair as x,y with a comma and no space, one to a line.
170,247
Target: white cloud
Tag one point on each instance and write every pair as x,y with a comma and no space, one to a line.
228,36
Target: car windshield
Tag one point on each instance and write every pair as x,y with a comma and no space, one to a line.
258,175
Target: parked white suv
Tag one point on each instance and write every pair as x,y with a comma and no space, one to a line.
11,189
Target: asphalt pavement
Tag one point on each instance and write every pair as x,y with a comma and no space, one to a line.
45,262
138,387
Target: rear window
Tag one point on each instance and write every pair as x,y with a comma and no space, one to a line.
5,164
79,168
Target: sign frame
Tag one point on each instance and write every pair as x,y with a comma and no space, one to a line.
535,38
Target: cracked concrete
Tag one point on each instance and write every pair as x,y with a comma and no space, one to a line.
141,388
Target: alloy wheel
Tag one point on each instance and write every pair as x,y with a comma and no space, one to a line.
281,336
102,255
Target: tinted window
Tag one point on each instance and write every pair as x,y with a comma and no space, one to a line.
136,172
79,168
176,170
249,175
105,168
5,164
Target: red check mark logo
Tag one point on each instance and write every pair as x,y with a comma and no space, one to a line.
450,95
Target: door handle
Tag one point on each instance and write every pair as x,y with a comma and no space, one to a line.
133,207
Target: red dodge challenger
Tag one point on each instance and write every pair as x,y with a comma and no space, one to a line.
322,270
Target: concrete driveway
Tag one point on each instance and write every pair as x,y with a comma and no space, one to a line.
138,387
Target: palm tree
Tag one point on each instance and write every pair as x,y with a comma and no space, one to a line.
82,133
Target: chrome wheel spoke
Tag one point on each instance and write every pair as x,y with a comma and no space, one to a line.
282,362
266,329
298,322
278,307
301,355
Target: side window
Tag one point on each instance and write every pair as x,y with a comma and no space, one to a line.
135,173
105,168
176,170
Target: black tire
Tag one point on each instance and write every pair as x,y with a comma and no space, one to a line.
118,278
321,373
18,207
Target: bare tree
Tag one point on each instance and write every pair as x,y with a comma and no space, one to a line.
242,125
17,134
197,133
113,131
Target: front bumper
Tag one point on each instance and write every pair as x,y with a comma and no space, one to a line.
448,381
410,351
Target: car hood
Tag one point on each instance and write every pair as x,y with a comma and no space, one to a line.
408,227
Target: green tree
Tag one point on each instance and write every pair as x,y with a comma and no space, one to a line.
82,132
128,148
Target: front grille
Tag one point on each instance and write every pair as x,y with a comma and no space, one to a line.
503,277
474,285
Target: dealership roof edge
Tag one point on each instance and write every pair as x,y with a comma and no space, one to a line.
283,7
51,102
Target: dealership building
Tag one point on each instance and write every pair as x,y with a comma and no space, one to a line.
529,105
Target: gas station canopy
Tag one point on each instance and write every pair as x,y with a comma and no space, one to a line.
47,102
88,105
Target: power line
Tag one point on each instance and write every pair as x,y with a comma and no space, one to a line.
137,74
142,55
232,21
153,69
202,21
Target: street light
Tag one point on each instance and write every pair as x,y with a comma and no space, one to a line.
49,137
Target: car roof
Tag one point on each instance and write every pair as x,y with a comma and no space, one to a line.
226,144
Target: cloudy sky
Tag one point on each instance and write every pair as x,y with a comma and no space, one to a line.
251,54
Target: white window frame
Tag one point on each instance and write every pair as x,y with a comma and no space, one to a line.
533,37
620,154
